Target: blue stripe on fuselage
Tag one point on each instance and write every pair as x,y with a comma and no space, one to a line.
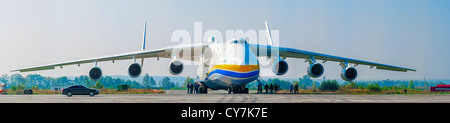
235,74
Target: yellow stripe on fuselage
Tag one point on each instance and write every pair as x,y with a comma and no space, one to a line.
236,68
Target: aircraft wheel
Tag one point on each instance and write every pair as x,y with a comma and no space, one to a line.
236,90
203,89
244,90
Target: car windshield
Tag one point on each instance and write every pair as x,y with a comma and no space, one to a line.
77,86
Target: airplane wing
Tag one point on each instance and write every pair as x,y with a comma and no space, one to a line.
164,53
295,53
169,52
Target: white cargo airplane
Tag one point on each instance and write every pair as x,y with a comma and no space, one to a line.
228,65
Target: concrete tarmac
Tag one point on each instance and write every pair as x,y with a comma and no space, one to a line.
180,96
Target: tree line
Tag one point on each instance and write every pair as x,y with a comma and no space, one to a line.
306,82
37,81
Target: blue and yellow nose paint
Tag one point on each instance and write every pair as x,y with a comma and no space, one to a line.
235,71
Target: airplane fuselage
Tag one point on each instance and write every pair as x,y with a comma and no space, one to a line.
233,64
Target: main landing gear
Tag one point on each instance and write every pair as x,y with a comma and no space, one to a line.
203,89
238,89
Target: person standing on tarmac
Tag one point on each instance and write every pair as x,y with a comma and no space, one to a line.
291,89
188,87
276,88
259,88
266,87
271,88
196,88
191,88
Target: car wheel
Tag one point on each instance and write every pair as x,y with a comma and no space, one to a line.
91,94
69,94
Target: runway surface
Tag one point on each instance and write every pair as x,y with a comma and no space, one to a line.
179,96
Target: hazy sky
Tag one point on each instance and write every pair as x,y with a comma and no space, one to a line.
406,33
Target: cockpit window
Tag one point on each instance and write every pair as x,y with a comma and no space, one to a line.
239,42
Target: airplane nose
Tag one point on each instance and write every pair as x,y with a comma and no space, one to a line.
239,53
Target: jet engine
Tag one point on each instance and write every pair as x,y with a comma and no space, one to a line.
280,67
315,70
176,67
349,74
134,70
95,73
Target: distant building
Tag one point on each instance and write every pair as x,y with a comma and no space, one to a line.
58,87
440,88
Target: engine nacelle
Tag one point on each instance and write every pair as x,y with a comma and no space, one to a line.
95,73
280,67
176,67
349,74
134,70
315,70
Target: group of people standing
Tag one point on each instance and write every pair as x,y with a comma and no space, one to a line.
274,88
293,89
192,88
